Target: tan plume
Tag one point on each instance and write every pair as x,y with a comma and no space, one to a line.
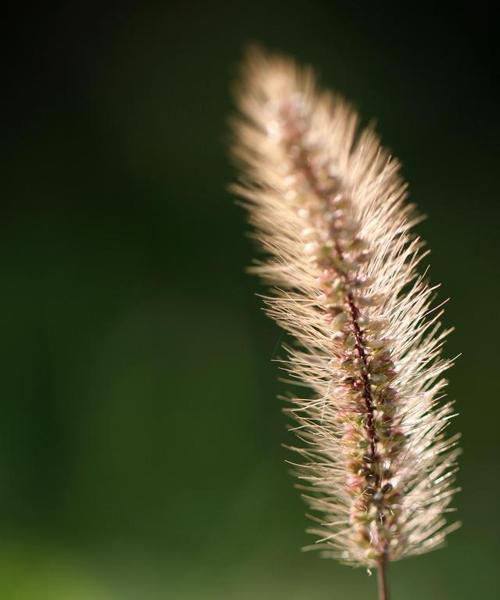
329,208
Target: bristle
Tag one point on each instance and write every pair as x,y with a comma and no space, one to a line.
329,207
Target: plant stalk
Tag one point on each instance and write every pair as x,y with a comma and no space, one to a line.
383,586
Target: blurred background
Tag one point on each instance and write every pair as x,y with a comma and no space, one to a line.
140,435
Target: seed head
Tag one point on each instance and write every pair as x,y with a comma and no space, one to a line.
329,208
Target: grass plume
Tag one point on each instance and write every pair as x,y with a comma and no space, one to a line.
329,208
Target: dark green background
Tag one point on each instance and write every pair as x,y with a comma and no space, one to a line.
140,434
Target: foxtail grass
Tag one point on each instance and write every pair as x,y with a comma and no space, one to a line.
329,208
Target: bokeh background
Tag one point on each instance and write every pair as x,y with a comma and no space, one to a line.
140,435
